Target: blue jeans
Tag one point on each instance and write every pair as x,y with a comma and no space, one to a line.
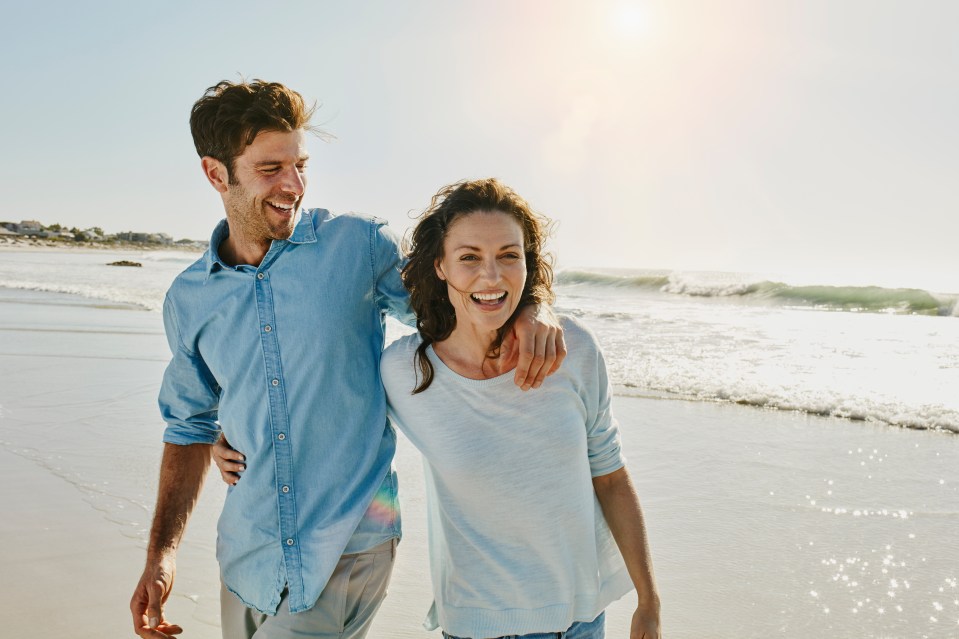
595,629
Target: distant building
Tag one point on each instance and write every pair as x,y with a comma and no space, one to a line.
29,227
57,235
145,238
6,232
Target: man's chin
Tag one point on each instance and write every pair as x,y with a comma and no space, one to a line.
284,232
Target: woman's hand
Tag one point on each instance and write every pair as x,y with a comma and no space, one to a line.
228,461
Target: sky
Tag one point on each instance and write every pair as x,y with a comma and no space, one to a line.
811,137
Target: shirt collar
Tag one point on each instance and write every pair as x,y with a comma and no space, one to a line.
213,261
303,233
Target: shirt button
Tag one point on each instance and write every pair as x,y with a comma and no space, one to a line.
285,489
275,382
267,328
289,542
260,276
281,436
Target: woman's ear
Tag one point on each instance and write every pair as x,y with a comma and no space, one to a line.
439,270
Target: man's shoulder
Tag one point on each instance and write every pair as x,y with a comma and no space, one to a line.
324,219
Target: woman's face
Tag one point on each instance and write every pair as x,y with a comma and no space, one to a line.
484,267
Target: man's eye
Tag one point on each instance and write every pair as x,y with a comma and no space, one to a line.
271,170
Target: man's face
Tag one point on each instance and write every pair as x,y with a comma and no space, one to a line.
267,186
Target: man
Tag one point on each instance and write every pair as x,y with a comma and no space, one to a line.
276,334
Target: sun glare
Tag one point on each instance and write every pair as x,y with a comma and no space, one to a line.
628,19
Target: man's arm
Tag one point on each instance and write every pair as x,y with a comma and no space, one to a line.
622,511
181,477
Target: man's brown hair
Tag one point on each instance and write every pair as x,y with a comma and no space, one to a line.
230,115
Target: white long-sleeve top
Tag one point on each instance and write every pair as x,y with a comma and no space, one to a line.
517,539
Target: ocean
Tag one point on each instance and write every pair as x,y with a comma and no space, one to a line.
858,351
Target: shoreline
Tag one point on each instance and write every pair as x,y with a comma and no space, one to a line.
119,245
620,390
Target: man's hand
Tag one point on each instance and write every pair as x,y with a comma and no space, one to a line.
539,340
228,461
151,593
645,624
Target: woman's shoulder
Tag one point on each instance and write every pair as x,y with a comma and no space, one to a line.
576,332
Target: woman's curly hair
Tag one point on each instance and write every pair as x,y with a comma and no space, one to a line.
429,295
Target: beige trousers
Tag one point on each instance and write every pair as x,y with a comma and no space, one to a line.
344,610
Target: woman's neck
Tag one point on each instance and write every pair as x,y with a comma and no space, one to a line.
466,353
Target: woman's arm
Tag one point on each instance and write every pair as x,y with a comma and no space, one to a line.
622,511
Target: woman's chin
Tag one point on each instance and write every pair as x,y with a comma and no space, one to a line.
484,319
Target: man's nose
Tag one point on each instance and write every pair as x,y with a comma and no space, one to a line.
294,182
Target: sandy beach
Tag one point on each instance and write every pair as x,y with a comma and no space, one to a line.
762,523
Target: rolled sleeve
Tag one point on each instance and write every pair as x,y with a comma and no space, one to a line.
189,395
388,261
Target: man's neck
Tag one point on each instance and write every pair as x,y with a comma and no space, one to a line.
235,251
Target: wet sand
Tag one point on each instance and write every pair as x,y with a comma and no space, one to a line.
762,523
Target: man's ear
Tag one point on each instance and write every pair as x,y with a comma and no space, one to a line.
216,173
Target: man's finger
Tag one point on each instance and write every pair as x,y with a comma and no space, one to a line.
154,612
138,605
537,358
559,343
524,365
549,357
165,631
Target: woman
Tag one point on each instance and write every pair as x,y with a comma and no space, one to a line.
534,525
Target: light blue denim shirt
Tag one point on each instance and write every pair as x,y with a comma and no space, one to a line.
284,358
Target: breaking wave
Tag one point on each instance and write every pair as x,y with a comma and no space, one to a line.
872,299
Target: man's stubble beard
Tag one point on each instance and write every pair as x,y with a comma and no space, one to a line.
249,221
